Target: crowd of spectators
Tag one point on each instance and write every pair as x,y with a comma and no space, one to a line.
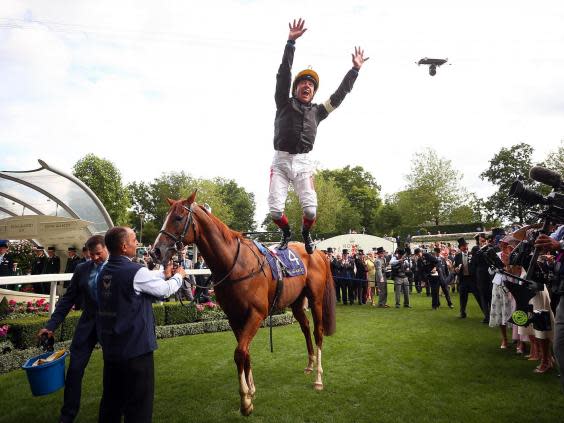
442,270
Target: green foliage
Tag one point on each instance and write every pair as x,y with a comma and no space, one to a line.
4,308
69,325
389,219
104,179
505,167
22,253
240,202
433,190
159,313
175,313
461,214
363,194
228,201
23,331
555,159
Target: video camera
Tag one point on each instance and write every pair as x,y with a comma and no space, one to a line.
526,255
554,200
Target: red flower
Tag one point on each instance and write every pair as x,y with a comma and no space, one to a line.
12,303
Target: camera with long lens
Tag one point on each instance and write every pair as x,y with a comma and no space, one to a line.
555,200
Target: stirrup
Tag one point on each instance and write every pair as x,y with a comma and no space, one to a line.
308,242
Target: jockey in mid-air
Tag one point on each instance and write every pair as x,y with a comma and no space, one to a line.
295,127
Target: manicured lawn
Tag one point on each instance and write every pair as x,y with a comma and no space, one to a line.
382,365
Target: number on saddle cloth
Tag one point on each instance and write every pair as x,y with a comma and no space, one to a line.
282,262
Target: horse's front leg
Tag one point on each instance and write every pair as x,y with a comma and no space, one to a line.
244,391
243,362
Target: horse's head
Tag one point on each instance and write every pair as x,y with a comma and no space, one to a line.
179,229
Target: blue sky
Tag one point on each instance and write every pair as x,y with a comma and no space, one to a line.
181,85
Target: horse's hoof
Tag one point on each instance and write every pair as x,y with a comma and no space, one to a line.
247,410
308,371
318,386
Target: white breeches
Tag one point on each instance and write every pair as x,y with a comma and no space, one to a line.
296,169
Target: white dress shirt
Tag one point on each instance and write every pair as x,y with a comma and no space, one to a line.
152,282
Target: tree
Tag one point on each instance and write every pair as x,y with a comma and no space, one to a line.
555,159
362,192
433,190
240,202
389,218
228,201
104,179
505,167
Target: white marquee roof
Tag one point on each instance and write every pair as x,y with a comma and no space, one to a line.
51,193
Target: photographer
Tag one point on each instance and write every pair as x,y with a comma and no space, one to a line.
400,266
555,243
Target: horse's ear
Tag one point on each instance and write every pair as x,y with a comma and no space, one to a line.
192,197
170,202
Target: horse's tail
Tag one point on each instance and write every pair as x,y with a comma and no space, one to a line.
329,303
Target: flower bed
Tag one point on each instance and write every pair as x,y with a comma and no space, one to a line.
22,308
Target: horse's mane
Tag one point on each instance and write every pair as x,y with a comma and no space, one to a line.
226,232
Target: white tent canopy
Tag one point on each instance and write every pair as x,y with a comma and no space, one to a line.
355,242
50,207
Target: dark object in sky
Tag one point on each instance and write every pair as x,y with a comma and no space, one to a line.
433,64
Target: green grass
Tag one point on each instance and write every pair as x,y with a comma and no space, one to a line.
382,365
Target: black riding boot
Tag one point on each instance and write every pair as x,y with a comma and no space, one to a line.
308,242
286,235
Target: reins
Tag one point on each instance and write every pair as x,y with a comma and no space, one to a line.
179,245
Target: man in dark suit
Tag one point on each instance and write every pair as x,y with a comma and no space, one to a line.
38,268
81,291
361,282
428,268
6,262
480,268
466,279
72,260
53,264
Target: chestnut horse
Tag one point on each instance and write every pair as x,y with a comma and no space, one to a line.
245,288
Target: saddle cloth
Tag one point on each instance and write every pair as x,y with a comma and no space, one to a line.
282,263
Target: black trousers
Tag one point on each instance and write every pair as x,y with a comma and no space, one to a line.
80,353
484,283
417,280
360,290
351,289
129,389
337,288
465,288
437,283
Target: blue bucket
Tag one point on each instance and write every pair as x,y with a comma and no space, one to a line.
46,378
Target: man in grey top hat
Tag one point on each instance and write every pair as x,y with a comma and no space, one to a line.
381,281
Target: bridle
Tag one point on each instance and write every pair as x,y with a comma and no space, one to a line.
190,222
179,245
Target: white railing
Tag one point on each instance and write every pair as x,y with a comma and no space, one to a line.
61,277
